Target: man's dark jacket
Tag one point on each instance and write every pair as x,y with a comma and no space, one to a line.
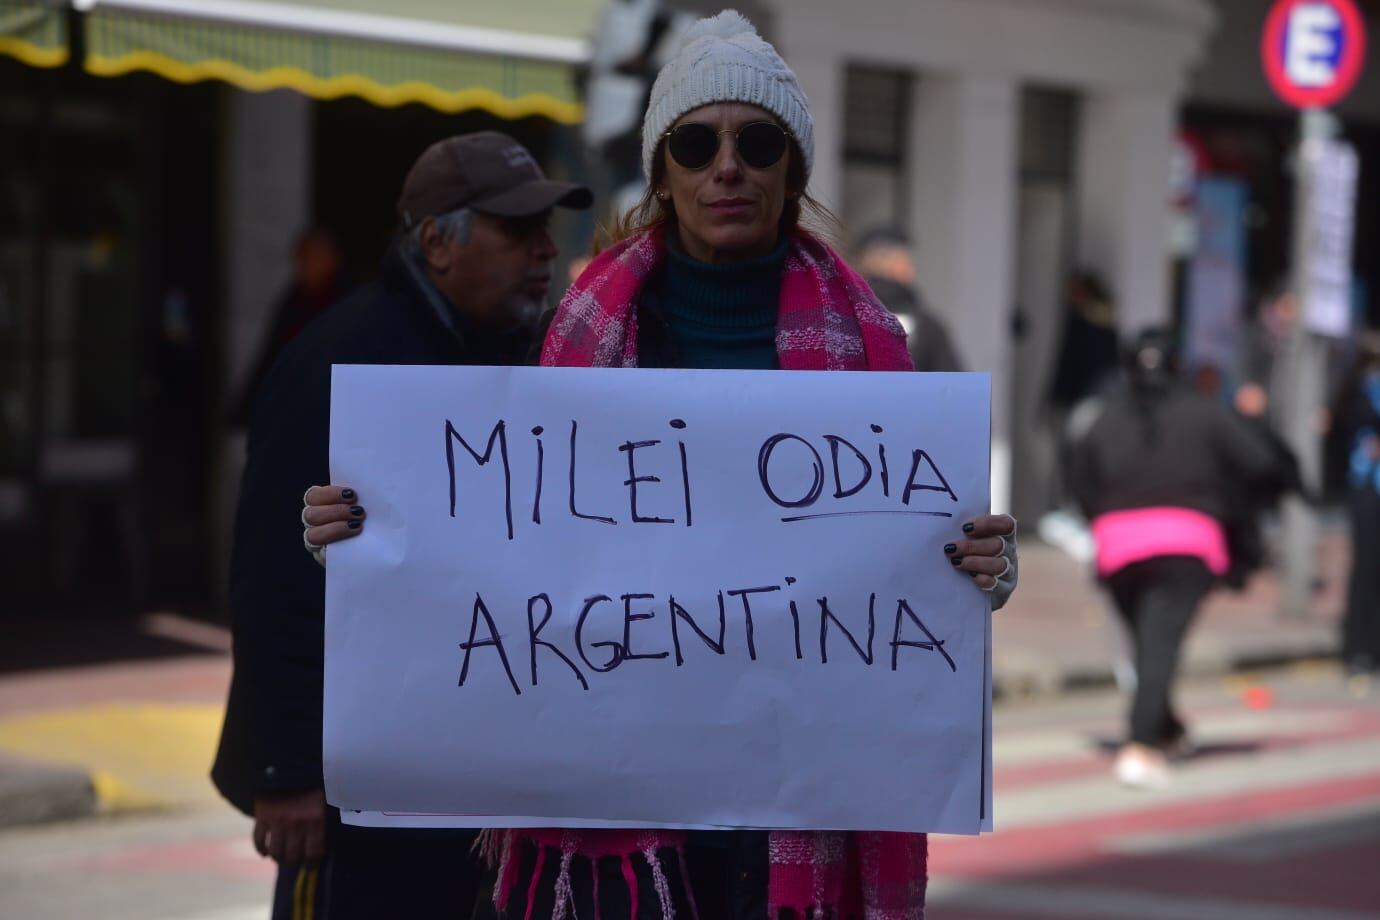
271,741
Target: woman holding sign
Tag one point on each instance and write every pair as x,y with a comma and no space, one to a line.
714,269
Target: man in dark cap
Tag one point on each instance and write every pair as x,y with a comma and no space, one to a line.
885,261
463,283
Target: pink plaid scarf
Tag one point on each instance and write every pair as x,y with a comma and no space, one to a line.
829,319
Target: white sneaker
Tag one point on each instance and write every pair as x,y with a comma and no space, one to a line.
1141,768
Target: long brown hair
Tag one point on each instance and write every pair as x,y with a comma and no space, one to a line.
801,208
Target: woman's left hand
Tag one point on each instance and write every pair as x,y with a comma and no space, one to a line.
987,553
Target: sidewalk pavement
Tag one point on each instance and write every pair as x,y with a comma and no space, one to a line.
134,733
139,733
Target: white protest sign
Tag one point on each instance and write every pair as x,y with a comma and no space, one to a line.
658,597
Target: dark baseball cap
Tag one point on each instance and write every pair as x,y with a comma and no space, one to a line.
487,172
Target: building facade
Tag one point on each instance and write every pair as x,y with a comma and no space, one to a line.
1035,135
148,212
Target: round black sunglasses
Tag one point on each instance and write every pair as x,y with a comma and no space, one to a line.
694,145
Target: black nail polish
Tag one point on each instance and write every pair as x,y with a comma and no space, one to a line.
950,548
973,574
968,527
357,511
956,560
347,494
354,525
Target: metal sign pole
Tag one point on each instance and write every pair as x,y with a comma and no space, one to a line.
1313,53
1304,377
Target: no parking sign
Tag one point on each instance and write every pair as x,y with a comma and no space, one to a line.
1313,50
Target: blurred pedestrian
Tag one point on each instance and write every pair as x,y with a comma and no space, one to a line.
1358,414
1088,348
315,286
885,260
1263,340
1087,360
472,256
714,269
1248,501
1151,474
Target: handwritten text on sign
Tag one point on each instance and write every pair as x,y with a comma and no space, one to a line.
671,597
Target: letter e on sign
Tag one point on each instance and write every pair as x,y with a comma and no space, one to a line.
1313,50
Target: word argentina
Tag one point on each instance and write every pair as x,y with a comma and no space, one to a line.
681,629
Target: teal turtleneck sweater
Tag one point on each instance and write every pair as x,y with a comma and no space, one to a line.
722,315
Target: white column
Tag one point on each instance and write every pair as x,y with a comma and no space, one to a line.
821,76
1124,144
962,156
267,202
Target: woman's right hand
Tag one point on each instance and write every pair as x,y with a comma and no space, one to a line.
330,514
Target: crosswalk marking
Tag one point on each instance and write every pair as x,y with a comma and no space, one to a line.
247,912
1084,798
1032,901
1267,838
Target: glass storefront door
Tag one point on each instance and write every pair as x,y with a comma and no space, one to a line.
84,286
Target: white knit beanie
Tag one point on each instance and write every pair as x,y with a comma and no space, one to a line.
723,59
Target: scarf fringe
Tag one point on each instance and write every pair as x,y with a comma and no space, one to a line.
815,875
562,893
495,849
507,867
488,846
663,887
689,889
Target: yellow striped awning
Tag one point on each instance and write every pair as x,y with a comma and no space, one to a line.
34,31
514,58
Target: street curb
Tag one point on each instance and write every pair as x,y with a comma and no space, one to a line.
1028,683
42,794
46,793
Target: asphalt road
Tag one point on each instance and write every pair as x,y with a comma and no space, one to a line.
1278,816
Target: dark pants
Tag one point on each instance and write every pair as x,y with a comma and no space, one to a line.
371,873
1158,598
1361,627
297,895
